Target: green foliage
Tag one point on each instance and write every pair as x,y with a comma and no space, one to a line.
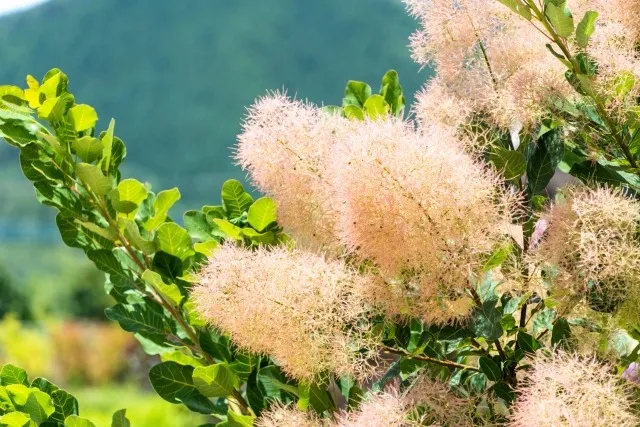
125,229
39,402
13,300
359,102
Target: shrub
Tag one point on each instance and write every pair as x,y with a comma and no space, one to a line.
408,273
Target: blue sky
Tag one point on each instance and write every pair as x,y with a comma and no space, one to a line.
13,5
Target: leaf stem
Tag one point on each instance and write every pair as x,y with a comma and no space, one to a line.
447,363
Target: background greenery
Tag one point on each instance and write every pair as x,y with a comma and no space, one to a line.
191,68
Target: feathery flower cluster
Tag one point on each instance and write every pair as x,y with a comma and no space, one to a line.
423,210
428,403
289,416
296,306
568,390
285,145
592,240
488,61
413,202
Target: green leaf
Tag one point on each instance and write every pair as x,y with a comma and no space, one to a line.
6,404
504,391
44,384
138,318
132,234
561,333
237,420
519,8
174,240
89,149
586,28
273,382
84,117
32,94
485,322
206,248
19,393
508,322
215,380
527,343
487,286
11,91
52,83
168,266
75,235
161,205
354,112
154,280
544,160
511,163
560,18
316,396
391,90
490,368
235,199
197,225
94,179
230,230
128,196
119,419
256,238
624,83
39,406
262,213
107,142
255,394
11,374
356,93
244,364
17,133
76,421
182,356
174,383
376,107
544,320
65,405
15,419
498,256
55,109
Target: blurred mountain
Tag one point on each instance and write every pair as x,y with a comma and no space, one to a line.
176,75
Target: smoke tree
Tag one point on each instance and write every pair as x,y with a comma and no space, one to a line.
403,268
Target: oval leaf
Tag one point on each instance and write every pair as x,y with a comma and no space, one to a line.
215,380
490,368
262,213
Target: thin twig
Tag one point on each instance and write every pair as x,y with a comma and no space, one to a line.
447,363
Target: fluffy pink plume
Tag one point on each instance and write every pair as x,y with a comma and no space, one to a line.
423,210
487,59
296,306
591,239
427,403
565,390
284,145
289,416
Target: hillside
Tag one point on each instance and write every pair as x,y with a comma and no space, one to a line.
177,75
